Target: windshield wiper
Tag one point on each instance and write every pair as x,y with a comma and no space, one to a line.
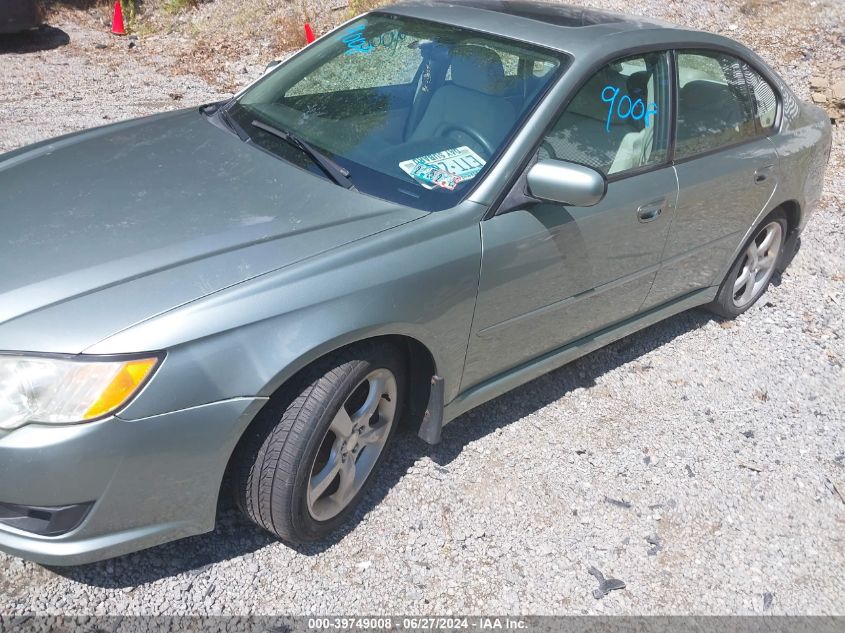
220,110
224,115
332,169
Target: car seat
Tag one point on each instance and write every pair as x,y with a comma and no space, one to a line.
709,115
581,135
472,102
636,147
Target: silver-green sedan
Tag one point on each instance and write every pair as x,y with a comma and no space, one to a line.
427,207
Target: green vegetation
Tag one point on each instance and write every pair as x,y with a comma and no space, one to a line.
130,10
177,6
357,7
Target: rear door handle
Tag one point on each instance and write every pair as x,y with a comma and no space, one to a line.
651,211
762,174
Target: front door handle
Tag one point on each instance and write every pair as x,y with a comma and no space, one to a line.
651,211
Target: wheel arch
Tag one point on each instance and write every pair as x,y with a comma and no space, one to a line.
794,225
794,218
421,359
793,214
420,362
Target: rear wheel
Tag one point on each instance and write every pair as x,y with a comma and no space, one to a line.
306,462
751,273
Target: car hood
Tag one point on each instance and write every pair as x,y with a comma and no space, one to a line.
103,229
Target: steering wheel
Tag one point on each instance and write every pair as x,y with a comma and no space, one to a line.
486,145
418,106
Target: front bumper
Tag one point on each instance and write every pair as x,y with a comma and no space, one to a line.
151,480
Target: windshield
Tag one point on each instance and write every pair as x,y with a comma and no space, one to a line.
414,110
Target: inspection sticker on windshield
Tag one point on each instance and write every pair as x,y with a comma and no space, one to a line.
446,169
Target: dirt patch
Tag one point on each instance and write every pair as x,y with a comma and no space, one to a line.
218,40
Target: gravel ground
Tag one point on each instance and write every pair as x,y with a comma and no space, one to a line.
697,460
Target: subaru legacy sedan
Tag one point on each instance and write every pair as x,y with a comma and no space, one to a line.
429,206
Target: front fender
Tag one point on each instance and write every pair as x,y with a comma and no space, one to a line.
418,280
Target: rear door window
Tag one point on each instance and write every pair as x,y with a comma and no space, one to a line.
765,99
715,108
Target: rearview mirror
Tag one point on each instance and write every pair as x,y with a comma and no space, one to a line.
272,65
566,183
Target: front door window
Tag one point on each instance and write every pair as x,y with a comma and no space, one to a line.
619,120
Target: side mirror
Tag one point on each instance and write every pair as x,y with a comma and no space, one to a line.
272,65
566,183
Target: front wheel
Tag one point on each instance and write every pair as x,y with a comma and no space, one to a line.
306,462
751,273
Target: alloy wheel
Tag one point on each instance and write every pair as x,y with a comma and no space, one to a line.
758,265
352,445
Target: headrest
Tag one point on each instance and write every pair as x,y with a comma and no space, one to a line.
708,104
638,85
478,68
588,101
702,94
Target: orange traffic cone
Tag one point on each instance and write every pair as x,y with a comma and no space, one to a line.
117,20
309,34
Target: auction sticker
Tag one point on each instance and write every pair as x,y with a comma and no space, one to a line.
446,169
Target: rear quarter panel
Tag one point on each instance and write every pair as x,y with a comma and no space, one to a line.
803,147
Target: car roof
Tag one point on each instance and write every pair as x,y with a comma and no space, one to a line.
576,30
564,15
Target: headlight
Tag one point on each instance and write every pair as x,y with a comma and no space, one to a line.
64,391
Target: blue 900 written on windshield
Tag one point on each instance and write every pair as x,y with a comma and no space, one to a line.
626,108
357,43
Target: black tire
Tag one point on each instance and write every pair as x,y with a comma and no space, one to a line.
724,304
273,464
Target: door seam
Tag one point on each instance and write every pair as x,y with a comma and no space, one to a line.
665,241
471,332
